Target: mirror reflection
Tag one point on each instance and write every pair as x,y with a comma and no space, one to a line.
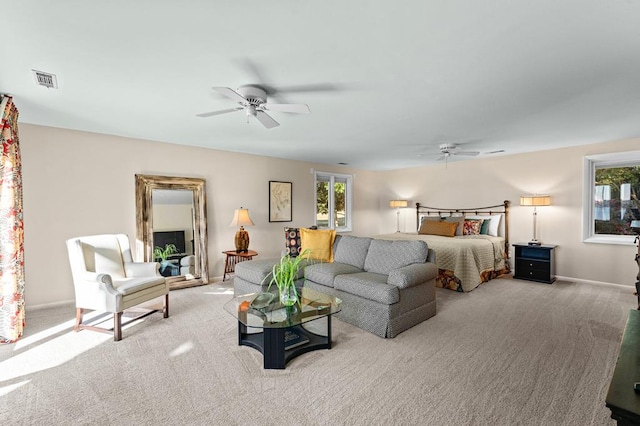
173,243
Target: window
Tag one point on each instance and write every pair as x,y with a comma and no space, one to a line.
333,201
611,198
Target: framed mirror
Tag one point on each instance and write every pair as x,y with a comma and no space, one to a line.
171,215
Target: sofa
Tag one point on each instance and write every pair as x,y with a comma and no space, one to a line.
385,286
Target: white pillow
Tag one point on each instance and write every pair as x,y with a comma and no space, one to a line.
494,225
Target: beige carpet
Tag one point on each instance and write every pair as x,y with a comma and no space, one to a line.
510,352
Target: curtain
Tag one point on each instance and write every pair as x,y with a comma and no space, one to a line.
12,319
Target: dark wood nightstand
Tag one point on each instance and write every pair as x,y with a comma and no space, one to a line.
535,263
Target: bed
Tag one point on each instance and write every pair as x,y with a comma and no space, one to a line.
465,261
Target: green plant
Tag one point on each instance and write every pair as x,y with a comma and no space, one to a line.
160,253
285,272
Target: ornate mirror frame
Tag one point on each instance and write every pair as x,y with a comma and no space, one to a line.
145,184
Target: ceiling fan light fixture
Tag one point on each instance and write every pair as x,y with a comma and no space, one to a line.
251,110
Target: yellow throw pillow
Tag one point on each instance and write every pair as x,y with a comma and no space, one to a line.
319,242
445,229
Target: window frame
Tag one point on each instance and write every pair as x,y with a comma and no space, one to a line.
591,162
331,199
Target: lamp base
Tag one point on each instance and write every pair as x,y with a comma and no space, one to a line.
242,241
535,243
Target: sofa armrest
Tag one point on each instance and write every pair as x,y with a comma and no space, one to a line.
431,256
141,269
411,275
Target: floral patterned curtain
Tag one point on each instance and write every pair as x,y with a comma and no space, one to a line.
11,227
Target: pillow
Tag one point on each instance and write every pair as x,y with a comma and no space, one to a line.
292,241
494,223
319,243
458,221
425,219
471,226
484,230
445,229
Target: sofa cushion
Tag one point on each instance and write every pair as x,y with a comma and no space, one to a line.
384,256
368,285
325,273
352,250
319,242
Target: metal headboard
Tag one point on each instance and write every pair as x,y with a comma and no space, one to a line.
477,211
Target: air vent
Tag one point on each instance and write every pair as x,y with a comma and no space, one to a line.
45,79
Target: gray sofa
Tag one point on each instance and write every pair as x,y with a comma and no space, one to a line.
386,287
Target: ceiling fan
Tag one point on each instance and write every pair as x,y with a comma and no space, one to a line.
449,149
253,100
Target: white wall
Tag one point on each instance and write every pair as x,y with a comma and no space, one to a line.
78,183
491,180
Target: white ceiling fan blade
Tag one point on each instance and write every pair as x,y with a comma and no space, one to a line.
295,108
222,111
231,94
442,157
266,120
470,153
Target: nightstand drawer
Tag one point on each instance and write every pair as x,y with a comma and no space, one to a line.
525,265
533,274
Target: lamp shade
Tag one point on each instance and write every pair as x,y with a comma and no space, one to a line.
535,200
241,218
398,203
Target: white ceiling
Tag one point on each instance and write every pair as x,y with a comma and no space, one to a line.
517,75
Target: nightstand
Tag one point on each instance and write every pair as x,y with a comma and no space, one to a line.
535,263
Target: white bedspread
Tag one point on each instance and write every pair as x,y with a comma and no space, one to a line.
466,256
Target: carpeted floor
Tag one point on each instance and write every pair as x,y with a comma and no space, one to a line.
510,352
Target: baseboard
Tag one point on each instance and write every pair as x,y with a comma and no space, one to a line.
50,305
579,280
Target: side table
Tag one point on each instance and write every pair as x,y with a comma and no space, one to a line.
535,263
233,257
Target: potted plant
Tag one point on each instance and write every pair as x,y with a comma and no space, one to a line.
163,255
284,275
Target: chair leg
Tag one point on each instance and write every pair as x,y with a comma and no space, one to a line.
76,327
166,305
117,326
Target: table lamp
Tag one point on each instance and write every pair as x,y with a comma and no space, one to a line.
535,201
241,218
398,204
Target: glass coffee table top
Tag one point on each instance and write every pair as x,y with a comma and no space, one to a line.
264,310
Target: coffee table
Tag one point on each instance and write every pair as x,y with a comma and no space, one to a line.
282,333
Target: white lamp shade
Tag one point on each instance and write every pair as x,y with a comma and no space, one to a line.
398,203
535,200
241,218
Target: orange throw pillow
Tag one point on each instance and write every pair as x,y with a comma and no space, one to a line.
319,242
445,229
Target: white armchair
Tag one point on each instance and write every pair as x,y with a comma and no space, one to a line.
107,279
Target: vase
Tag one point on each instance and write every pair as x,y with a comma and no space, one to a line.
288,295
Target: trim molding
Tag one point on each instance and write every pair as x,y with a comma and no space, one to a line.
602,283
70,302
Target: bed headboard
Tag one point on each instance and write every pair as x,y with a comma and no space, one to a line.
501,209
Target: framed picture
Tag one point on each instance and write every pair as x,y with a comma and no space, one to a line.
280,201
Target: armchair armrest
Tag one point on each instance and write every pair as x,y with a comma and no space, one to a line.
103,282
411,275
141,269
